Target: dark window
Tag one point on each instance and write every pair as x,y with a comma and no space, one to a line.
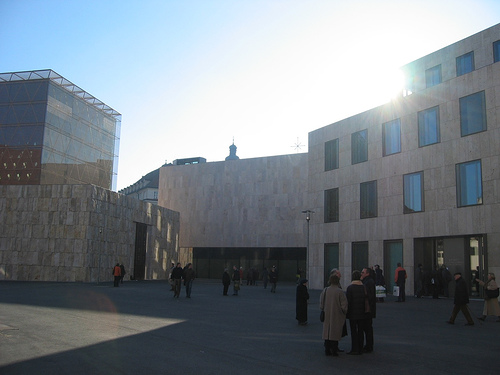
359,255
368,199
332,154
331,205
473,114
496,51
391,133
469,183
465,63
428,127
413,186
433,76
359,147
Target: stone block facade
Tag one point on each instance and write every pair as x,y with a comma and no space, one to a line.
79,232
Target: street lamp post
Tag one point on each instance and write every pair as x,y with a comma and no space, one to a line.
308,219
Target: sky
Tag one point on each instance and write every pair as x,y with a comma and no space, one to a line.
191,76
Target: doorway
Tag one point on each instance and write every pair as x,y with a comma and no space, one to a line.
141,235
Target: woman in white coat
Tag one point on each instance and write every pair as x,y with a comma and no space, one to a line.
334,303
491,306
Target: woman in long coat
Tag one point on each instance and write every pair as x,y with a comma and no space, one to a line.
301,302
334,303
491,306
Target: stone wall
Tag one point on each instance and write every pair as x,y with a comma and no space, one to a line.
78,232
239,203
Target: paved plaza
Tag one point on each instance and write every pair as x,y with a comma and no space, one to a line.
139,328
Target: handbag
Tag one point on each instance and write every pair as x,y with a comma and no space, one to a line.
395,291
492,293
322,313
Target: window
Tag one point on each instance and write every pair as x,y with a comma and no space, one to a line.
391,133
368,199
469,184
332,155
413,190
472,114
465,63
433,76
496,51
428,127
331,205
359,256
331,260
359,147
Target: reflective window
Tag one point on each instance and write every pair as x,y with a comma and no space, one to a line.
433,76
496,51
331,205
469,183
359,147
368,199
428,127
465,63
413,187
332,154
473,114
391,133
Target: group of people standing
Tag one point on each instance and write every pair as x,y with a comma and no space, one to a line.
236,276
358,304
178,275
118,274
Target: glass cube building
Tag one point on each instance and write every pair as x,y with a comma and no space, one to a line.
53,132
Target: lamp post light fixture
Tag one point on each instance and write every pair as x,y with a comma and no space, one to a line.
308,219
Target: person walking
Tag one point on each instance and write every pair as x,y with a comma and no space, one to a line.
189,276
236,281
400,280
334,303
491,293
117,274
176,276
273,279
379,281
226,281
369,284
461,300
356,312
302,296
122,273
265,277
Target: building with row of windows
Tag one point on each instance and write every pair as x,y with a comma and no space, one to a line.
416,180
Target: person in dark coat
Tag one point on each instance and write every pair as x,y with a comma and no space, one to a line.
379,280
236,280
461,300
400,280
302,296
273,279
356,312
369,284
226,281
122,273
177,274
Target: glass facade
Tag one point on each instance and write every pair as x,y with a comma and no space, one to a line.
52,132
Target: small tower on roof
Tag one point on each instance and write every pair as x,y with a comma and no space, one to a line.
232,152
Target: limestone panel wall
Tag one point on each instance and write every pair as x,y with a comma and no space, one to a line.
239,203
78,232
441,216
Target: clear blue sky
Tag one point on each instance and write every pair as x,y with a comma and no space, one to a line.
190,75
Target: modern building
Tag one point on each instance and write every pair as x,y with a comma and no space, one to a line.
53,132
59,219
245,212
416,180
